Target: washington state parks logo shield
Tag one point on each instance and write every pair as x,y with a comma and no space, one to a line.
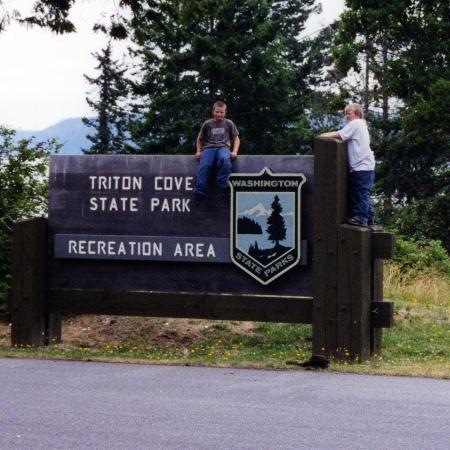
265,223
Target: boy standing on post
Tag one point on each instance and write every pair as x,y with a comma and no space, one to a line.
214,148
361,162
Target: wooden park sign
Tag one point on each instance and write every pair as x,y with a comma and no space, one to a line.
125,236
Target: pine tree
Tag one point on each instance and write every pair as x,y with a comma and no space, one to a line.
277,227
245,52
407,42
110,125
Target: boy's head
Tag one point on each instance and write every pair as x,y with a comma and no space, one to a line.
219,110
353,111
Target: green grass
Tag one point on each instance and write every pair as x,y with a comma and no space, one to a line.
418,344
266,345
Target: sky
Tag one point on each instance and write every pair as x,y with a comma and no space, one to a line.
41,73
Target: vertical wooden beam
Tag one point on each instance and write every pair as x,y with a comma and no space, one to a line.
360,273
376,334
382,248
330,210
344,295
15,293
53,331
354,293
29,278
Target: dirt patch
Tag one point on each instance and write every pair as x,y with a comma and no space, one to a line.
143,332
5,332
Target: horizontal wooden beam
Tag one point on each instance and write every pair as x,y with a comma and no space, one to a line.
382,245
382,314
200,306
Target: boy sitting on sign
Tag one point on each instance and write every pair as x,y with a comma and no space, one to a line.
213,148
361,162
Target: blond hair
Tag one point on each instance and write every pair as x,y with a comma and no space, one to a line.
356,108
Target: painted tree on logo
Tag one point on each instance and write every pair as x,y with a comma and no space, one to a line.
277,227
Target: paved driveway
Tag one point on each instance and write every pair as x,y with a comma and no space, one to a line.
83,405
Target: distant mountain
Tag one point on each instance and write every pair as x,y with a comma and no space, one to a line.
69,132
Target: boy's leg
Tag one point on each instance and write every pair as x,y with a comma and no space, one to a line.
360,186
223,162
371,213
204,169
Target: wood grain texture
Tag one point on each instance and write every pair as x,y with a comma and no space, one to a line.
330,210
382,245
184,305
29,283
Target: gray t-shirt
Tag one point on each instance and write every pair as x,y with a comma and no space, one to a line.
218,133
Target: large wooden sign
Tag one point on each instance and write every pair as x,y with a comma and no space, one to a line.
132,223
126,236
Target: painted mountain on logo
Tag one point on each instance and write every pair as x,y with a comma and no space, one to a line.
260,219
259,210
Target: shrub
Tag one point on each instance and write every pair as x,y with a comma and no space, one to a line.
23,192
425,256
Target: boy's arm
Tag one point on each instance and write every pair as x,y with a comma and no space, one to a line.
331,134
198,153
236,144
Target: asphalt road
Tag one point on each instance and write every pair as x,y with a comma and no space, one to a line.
84,405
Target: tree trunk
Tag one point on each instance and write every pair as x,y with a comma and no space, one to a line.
366,84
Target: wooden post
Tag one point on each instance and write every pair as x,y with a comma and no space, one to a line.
348,271
330,211
376,334
29,315
382,248
354,293
53,323
342,262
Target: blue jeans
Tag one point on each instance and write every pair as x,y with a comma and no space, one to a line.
361,183
219,156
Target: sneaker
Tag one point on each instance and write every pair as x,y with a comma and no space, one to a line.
374,227
355,223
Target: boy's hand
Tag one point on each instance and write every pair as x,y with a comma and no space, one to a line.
198,155
233,155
